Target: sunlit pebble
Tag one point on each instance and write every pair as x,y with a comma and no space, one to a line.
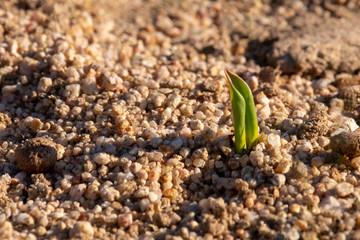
258,206
295,208
142,174
112,82
167,185
24,218
153,197
249,202
102,158
83,230
124,220
154,174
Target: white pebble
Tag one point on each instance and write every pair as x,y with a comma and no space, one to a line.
24,218
304,146
82,230
256,158
155,156
350,123
77,191
142,192
153,197
274,140
109,194
102,158
72,91
112,82
344,189
44,84
58,60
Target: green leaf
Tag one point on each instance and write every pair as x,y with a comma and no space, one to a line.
238,110
239,86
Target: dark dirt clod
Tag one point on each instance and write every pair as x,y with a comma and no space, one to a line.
346,143
268,74
36,155
318,123
312,128
350,95
310,49
270,90
346,80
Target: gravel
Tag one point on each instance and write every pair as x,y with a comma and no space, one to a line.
115,120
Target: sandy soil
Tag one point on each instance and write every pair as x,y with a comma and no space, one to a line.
115,119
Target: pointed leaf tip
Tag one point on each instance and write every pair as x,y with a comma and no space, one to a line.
242,101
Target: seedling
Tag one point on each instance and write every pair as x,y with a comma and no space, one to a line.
244,113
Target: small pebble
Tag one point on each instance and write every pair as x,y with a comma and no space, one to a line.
82,230
102,158
344,189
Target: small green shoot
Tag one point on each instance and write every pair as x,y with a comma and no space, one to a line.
244,113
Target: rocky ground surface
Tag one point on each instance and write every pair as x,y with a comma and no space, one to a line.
131,113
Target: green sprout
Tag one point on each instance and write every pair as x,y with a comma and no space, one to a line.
244,113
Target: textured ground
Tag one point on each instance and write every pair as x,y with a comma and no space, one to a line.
131,95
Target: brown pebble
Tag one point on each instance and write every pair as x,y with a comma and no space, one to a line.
355,163
346,80
36,155
268,74
346,143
